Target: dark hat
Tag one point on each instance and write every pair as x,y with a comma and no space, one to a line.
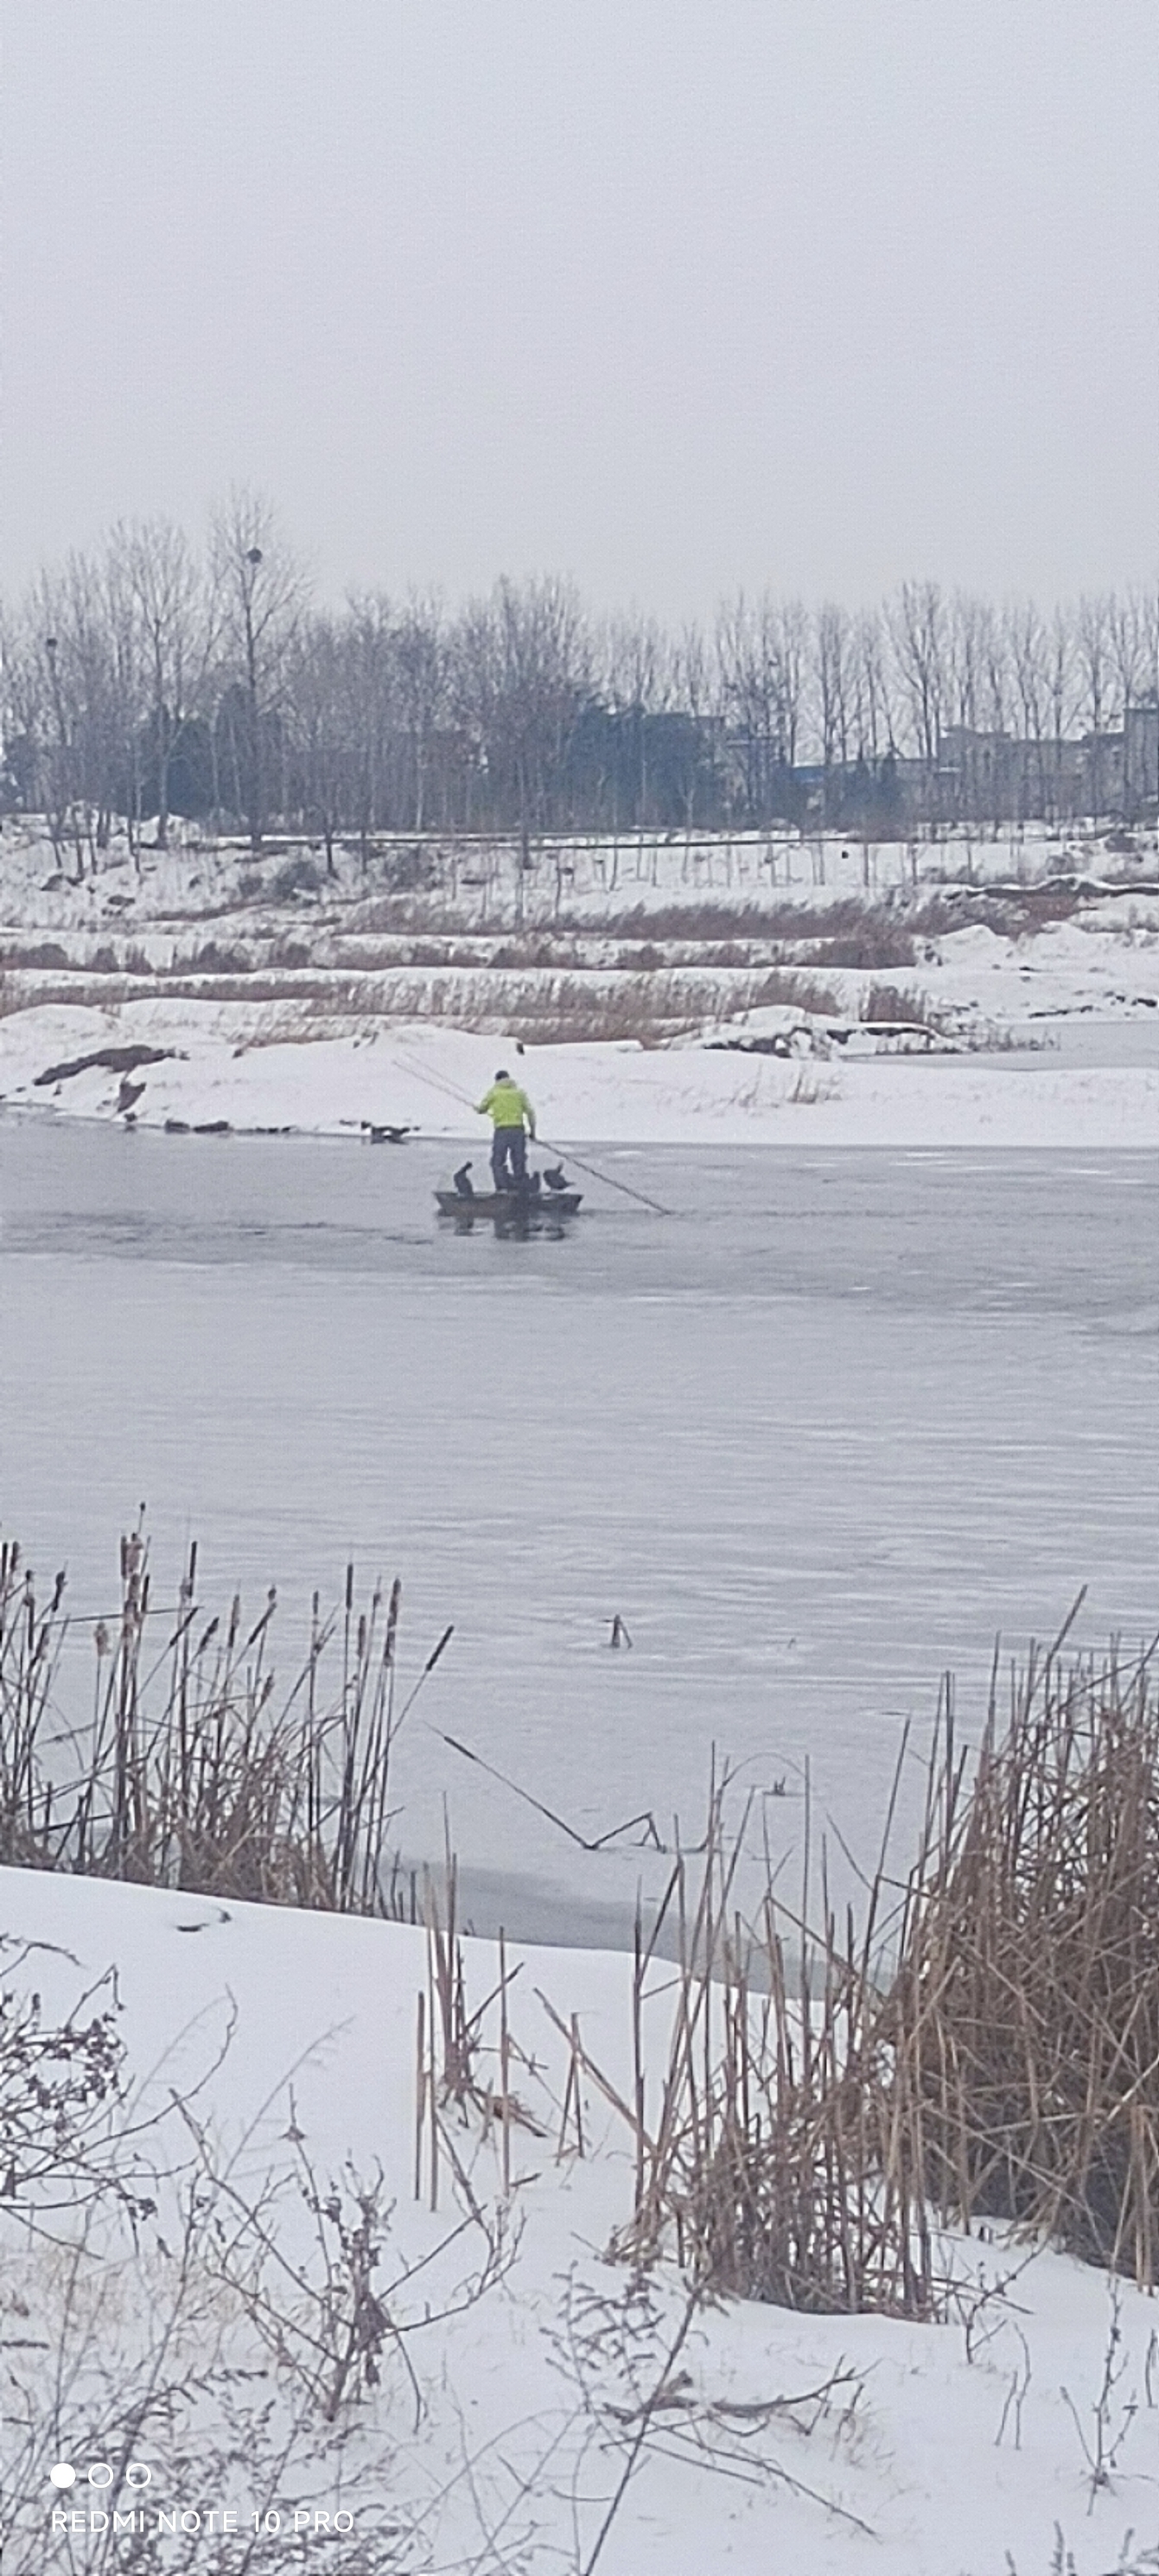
503,1075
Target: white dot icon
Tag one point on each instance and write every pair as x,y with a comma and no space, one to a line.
62,2475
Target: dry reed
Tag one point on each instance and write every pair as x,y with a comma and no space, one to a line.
194,1769
984,2048
768,2163
1023,2021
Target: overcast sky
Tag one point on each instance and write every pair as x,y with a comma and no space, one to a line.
670,295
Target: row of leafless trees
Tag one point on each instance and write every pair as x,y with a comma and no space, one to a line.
153,680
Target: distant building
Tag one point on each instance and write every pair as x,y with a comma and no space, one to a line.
1141,755
999,778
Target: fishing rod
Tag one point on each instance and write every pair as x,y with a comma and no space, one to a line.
605,1177
438,1083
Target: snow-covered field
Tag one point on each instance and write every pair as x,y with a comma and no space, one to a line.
506,2413
428,1078
319,1009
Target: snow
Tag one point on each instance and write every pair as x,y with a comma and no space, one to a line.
366,1031
596,1094
946,2448
479,879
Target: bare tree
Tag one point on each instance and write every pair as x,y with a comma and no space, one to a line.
833,681
523,672
261,592
787,626
1007,782
916,625
135,682
1094,634
1028,655
69,613
420,655
318,701
965,660
1063,687
1130,658
761,654
173,608
28,719
639,677
872,710
696,686
1149,615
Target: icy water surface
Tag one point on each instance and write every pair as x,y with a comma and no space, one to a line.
815,1436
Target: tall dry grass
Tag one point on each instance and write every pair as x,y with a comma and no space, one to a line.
980,2044
770,2162
195,1767
1023,2022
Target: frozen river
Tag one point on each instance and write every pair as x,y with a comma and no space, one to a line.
812,1451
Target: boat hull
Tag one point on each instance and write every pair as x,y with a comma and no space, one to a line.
518,1206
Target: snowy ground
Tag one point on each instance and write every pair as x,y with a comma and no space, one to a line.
477,882
958,2449
428,1077
318,1010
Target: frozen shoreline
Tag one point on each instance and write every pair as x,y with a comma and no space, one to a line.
218,1068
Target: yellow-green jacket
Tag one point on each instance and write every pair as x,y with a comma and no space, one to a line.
507,1106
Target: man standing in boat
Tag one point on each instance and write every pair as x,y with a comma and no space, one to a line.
513,1119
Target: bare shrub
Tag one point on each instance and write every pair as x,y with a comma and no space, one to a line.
652,1007
298,876
41,952
701,922
889,1002
531,950
154,2359
879,939
574,1011
59,2082
212,959
795,992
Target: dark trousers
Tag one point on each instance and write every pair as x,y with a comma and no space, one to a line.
509,1158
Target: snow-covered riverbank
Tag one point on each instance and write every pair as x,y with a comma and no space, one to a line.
902,997
214,1067
504,2414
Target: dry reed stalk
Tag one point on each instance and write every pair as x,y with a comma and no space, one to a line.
769,2162
993,2052
192,1769
1023,2022
504,2065
420,2088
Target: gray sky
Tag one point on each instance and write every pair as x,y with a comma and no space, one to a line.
671,295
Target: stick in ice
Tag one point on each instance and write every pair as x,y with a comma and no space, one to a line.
646,1818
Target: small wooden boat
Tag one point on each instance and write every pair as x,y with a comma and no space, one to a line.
515,1207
